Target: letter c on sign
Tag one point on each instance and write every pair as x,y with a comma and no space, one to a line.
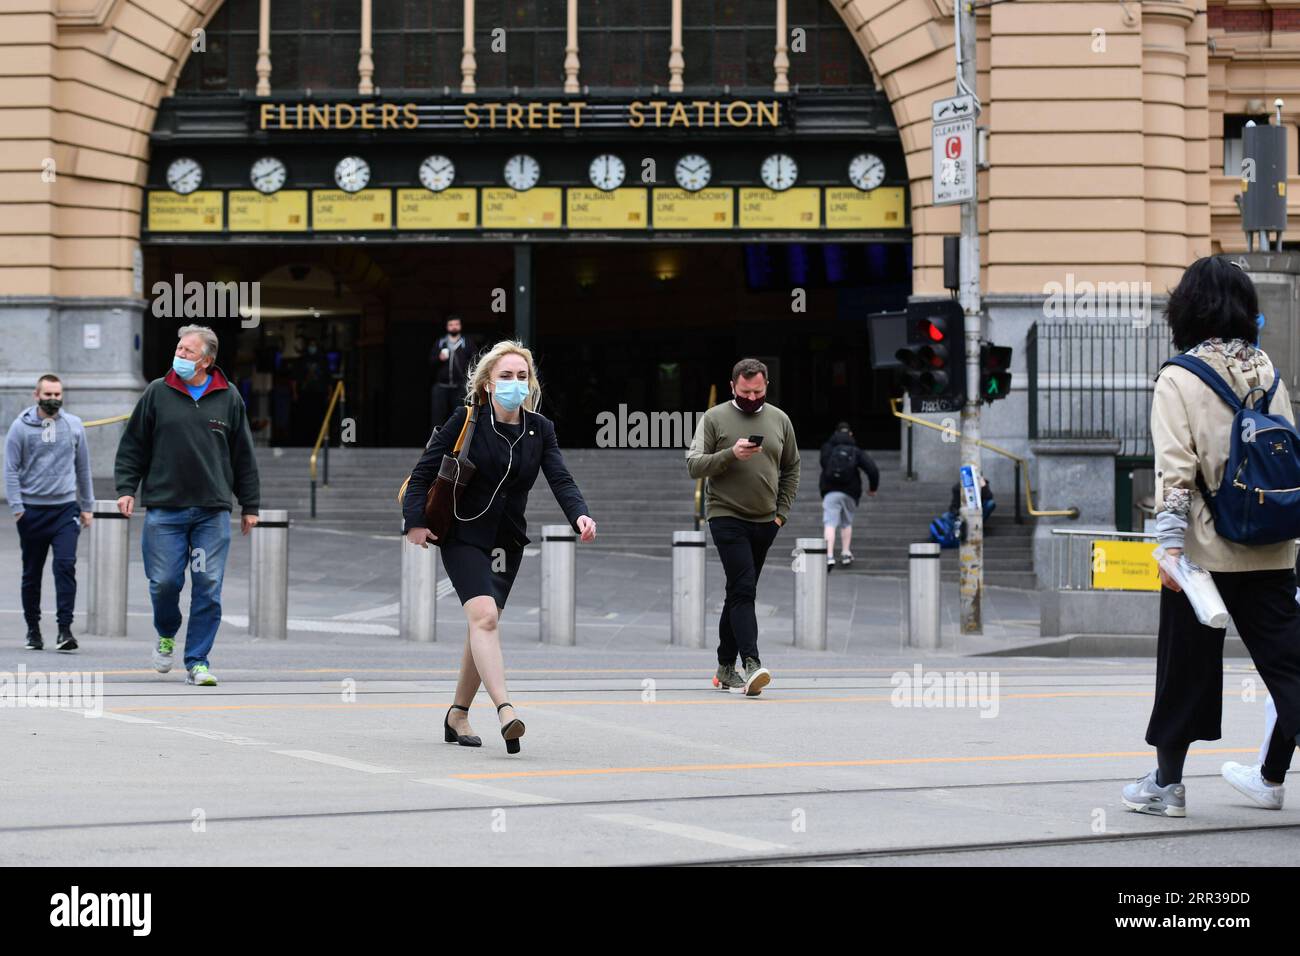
952,147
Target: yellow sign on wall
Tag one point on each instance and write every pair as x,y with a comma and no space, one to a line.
200,211
251,211
706,209
849,208
1124,566
449,209
601,209
538,208
336,209
799,208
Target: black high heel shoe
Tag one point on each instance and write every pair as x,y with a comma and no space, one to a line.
450,736
512,731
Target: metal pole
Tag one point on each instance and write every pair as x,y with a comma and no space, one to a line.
110,534
924,596
810,594
418,610
268,577
559,585
688,589
1019,519
972,549
313,497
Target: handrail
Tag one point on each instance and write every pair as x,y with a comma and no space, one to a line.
699,484
105,421
321,436
1021,464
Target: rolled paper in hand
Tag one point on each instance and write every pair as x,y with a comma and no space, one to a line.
1197,584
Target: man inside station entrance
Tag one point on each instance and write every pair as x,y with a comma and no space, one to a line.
450,359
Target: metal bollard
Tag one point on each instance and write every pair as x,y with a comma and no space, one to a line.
688,589
559,585
110,534
268,576
923,602
810,593
418,613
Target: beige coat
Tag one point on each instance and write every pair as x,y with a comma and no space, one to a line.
1192,428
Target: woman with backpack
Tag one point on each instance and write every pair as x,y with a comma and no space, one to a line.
841,489
1236,529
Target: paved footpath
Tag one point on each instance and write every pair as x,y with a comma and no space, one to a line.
327,749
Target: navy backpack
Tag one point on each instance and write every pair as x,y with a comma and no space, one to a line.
1258,501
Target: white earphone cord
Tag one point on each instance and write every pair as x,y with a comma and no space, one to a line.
509,461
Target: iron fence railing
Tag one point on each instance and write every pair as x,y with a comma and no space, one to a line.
1094,379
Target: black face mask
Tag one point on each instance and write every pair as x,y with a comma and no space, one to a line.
50,405
749,405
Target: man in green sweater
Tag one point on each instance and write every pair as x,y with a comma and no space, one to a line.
746,449
188,449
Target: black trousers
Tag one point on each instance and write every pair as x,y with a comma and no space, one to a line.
742,547
1189,656
41,529
446,399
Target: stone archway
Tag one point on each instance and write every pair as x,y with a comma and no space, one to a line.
135,49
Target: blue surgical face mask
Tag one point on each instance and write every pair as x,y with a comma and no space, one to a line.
510,393
183,367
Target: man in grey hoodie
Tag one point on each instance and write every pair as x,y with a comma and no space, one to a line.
47,482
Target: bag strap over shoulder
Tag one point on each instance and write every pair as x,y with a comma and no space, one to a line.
466,436
1202,370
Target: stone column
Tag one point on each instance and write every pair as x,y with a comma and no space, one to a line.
263,48
1071,472
468,65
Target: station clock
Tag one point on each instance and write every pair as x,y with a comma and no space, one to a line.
184,175
437,173
779,172
522,172
866,171
352,174
607,172
693,172
268,175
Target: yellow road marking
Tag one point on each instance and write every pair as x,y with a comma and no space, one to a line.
785,765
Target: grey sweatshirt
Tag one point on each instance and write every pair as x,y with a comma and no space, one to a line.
47,462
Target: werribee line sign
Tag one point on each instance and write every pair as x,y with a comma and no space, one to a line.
507,115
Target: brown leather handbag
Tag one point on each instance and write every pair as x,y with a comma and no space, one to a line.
454,475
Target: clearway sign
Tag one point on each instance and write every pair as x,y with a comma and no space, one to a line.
952,150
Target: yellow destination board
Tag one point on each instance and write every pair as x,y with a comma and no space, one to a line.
601,209
251,211
336,209
799,208
706,209
198,212
849,208
538,208
1124,566
449,209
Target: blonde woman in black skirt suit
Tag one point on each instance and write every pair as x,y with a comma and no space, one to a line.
511,443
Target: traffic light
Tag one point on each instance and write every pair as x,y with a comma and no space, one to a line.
995,372
934,367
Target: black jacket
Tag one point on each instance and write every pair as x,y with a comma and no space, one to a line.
852,484
503,525
188,454
457,365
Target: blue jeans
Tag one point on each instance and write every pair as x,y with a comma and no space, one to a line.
174,538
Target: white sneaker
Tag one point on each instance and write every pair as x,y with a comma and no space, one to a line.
1249,782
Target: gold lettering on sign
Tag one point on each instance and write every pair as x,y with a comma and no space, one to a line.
318,115
534,115
553,115
367,115
749,112
471,116
412,118
266,114
338,116
577,114
679,110
771,111
514,116
636,119
388,116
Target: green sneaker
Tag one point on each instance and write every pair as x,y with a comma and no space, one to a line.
201,676
728,679
756,678
162,655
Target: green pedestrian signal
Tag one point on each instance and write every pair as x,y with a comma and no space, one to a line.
995,372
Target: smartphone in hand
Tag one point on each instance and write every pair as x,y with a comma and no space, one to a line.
756,439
